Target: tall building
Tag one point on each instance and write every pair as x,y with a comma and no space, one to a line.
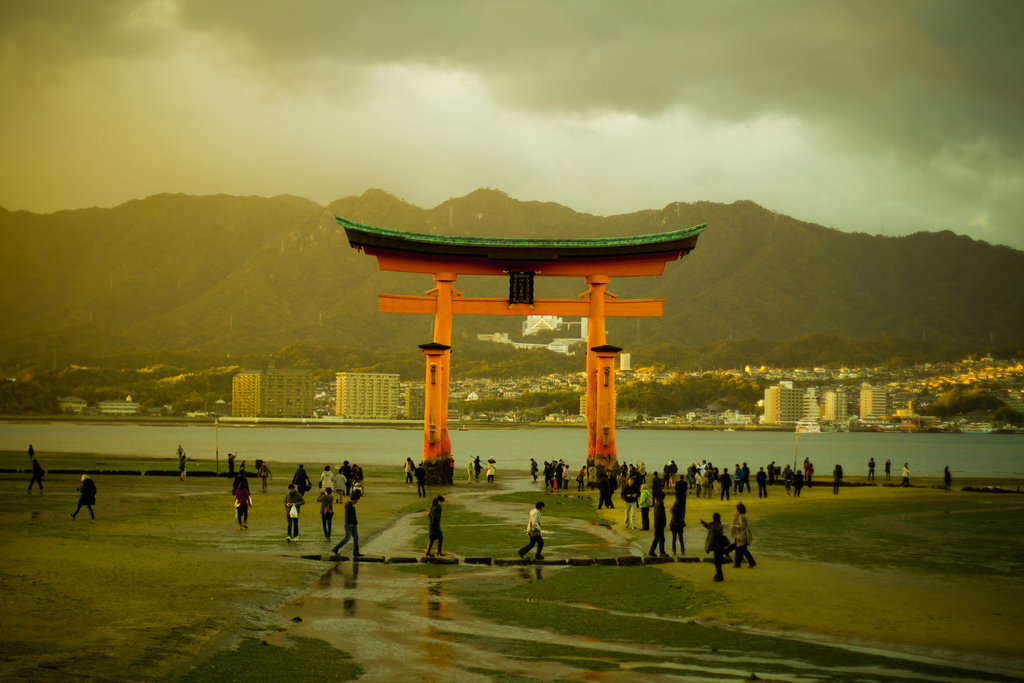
369,395
272,393
836,405
245,393
625,362
874,401
783,404
812,410
415,401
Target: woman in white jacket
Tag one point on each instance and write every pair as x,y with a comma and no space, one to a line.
742,536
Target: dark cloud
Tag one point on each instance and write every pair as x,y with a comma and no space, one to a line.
926,95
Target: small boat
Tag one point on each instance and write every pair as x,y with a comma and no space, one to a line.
808,427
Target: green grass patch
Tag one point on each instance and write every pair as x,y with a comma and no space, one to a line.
255,661
471,533
582,507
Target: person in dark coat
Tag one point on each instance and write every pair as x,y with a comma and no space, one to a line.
677,521
605,489
715,542
301,480
434,527
88,497
660,523
726,484
38,472
762,484
421,481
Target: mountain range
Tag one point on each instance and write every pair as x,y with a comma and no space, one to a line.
224,276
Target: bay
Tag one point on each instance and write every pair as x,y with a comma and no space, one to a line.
983,455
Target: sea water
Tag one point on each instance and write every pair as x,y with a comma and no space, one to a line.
982,455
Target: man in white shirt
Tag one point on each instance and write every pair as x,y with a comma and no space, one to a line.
327,479
533,531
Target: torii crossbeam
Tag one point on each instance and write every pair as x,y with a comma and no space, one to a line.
594,259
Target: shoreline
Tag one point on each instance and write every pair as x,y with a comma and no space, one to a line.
456,426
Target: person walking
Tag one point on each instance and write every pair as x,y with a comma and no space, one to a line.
677,519
421,481
301,480
264,474
351,528
491,471
293,500
604,492
410,467
762,484
715,542
871,469
787,479
87,497
533,470
534,532
477,466
906,475
645,506
630,495
38,472
660,522
181,463
326,479
326,500
31,453
947,479
746,476
243,501
837,478
434,527
742,537
726,480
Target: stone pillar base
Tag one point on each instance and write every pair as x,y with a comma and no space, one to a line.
439,470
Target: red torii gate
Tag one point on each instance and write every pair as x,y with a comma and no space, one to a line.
446,257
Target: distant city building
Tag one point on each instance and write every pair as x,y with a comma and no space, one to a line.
541,323
874,401
119,407
583,404
415,401
836,405
71,404
811,407
367,395
625,362
272,393
783,404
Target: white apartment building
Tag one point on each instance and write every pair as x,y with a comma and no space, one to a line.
836,405
874,401
367,395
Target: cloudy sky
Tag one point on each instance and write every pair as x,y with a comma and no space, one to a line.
882,117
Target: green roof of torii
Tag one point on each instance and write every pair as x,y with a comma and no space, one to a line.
509,248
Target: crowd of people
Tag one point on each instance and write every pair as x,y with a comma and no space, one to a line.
638,489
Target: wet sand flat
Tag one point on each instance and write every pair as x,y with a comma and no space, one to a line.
163,578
